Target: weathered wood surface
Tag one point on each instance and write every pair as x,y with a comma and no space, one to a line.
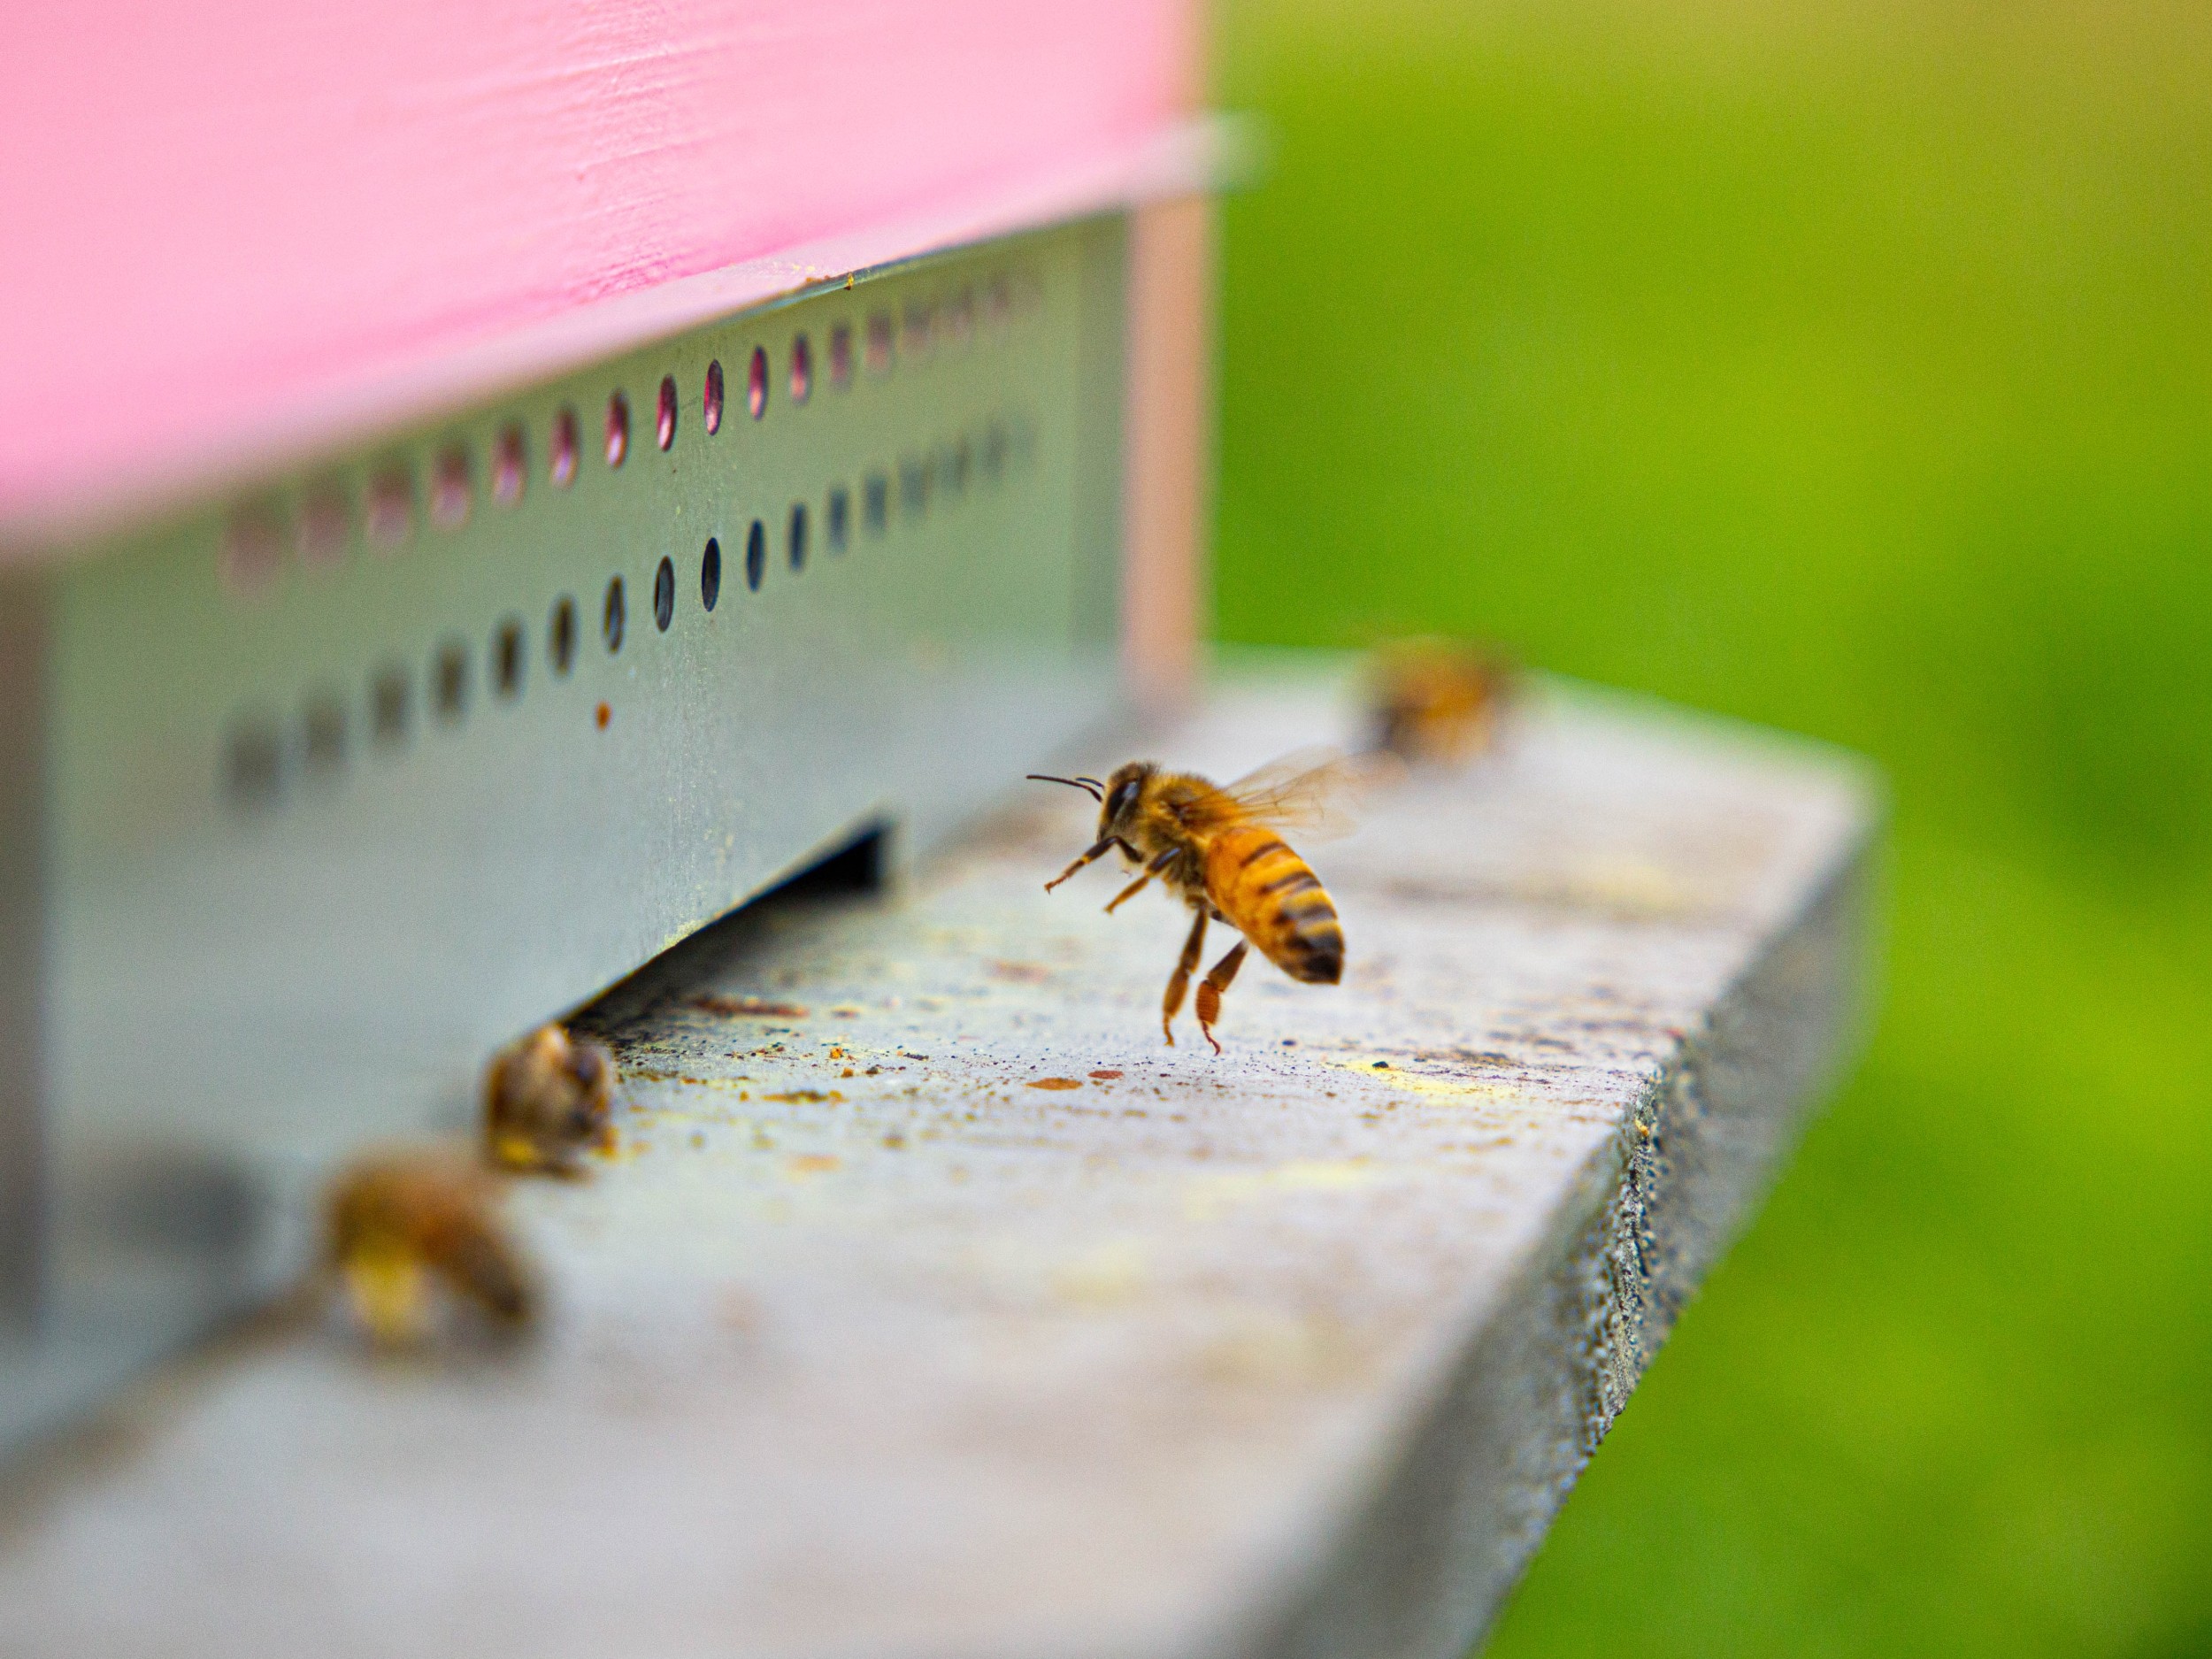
871,1343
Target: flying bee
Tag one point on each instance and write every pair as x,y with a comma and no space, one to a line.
402,1226
1220,851
546,1100
1439,700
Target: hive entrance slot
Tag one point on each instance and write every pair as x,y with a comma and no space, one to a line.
852,871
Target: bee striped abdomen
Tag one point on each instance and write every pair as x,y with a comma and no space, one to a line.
1272,896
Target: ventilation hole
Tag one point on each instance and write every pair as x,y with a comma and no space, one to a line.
507,658
253,549
795,537
450,682
711,405
324,731
839,517
561,468
612,619
326,525
511,465
387,706
253,762
878,346
801,370
665,594
875,494
919,334
451,491
755,555
841,357
560,634
959,320
711,573
756,384
664,413
993,452
617,429
391,506
913,487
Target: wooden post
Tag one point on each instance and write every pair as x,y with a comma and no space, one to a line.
1168,506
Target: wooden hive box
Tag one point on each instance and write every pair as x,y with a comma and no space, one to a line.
489,488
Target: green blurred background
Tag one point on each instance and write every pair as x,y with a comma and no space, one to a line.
1846,368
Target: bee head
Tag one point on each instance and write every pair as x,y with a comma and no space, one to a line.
1117,796
1117,802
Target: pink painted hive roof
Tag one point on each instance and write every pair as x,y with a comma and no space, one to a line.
227,219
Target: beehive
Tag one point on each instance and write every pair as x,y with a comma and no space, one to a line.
490,488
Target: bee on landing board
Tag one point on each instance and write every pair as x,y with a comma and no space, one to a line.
401,1227
1220,851
546,1100
1439,700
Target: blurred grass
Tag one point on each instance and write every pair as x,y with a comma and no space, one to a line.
1847,369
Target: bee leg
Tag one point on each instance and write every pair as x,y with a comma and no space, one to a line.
1098,851
1129,892
1178,982
1215,983
1140,883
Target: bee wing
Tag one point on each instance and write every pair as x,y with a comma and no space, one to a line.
1315,792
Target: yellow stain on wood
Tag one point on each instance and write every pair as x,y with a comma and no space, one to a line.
1266,1347
1421,1082
1111,1272
1305,1175
1207,1197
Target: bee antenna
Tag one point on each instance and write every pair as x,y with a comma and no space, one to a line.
1089,785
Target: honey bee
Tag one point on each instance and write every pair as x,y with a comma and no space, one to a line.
1438,700
402,1226
546,1100
1220,851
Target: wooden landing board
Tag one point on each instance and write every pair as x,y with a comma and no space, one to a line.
876,1337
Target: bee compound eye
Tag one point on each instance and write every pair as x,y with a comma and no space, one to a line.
1120,800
